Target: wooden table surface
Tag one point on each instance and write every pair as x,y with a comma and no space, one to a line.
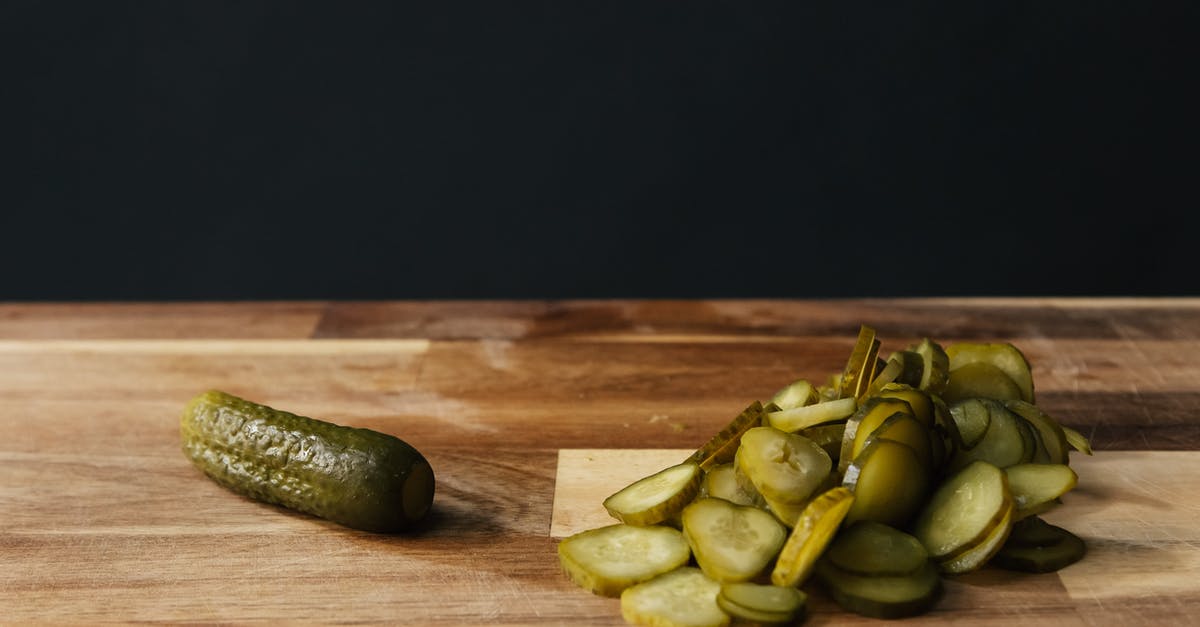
103,519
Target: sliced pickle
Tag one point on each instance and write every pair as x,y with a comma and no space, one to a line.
656,498
684,597
882,597
980,380
609,559
722,446
828,437
814,529
971,419
1033,485
906,429
919,401
912,365
868,373
945,439
866,418
876,550
884,376
796,394
935,366
1039,548
762,604
1033,531
1077,440
963,511
977,556
1008,440
860,364
731,542
890,482
1005,357
721,482
797,418
1053,439
782,466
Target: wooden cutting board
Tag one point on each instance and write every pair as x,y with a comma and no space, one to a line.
102,518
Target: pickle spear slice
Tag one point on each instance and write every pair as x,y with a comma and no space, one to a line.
859,368
721,447
797,418
684,597
963,511
609,559
813,531
656,498
731,542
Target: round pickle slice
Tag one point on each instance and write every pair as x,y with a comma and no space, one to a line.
782,466
890,482
761,603
876,550
1052,438
1004,357
731,542
1039,547
656,498
1033,485
977,556
980,380
894,596
721,482
684,597
963,511
609,559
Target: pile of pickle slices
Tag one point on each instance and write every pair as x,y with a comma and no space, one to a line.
894,473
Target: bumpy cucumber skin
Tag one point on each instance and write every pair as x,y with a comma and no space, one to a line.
355,477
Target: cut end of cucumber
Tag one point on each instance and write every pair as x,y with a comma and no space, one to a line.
418,491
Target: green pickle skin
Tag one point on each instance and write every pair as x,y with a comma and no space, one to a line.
359,478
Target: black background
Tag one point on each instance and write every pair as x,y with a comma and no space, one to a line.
197,150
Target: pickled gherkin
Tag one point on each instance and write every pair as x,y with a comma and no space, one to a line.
354,477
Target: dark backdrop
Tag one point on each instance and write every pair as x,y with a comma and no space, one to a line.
575,149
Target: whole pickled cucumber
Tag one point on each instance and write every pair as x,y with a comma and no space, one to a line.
355,477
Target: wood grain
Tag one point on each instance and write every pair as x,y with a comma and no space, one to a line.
104,520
